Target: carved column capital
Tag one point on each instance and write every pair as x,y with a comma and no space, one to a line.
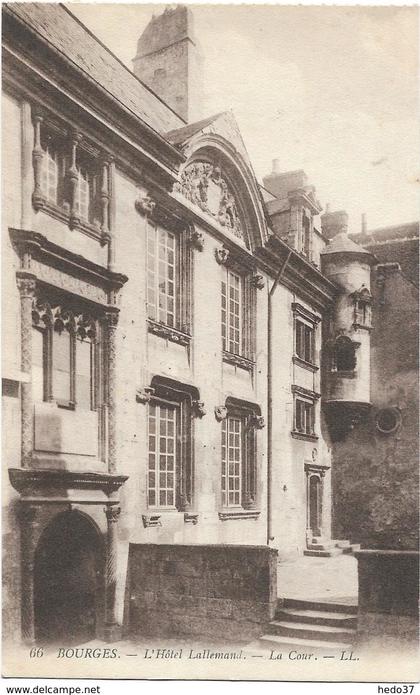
26,283
220,412
112,316
112,514
222,255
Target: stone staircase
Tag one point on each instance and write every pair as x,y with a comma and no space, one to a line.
321,547
314,626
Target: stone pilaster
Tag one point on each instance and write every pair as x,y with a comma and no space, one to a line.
112,322
73,175
112,630
37,157
27,517
27,284
27,176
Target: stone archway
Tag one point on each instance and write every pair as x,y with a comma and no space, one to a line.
69,581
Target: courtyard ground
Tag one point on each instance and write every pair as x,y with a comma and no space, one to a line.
319,579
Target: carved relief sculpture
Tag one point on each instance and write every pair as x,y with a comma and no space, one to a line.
203,184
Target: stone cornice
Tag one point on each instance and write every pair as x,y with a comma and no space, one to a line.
39,247
27,481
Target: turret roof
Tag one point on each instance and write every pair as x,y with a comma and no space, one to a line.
343,244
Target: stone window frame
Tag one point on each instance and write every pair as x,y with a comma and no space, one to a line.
181,332
362,307
185,398
308,398
231,259
76,154
347,359
250,416
303,316
79,318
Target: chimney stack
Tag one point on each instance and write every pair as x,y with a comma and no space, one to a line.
279,185
169,61
364,224
333,223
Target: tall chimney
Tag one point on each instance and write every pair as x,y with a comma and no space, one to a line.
364,224
169,61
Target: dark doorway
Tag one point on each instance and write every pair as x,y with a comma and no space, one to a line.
315,505
68,581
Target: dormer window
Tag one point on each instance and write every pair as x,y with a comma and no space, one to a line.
362,301
306,234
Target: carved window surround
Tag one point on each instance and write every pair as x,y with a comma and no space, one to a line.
168,333
191,518
65,165
238,514
300,310
249,415
151,520
185,398
238,361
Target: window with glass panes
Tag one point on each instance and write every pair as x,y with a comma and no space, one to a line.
162,281
304,416
162,431
304,336
232,453
232,308
53,171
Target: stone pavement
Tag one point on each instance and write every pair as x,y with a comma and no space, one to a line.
319,578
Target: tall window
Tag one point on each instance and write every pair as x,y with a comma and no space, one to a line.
304,417
232,312
87,204
65,357
170,469
304,335
345,354
53,171
163,425
162,275
232,461
306,234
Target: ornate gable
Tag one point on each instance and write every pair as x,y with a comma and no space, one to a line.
202,183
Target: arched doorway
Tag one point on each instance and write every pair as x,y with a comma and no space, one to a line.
69,581
315,505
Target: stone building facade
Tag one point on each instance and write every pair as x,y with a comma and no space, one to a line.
164,318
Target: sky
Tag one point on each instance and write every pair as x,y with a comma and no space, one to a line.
331,90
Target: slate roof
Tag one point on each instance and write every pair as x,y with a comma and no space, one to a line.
64,32
343,244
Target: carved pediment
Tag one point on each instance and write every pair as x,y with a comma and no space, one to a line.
203,184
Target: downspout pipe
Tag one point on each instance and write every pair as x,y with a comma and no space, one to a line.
274,286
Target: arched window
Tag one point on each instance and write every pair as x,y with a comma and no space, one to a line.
344,355
362,300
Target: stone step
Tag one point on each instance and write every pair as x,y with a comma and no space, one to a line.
331,552
314,605
317,617
310,632
289,643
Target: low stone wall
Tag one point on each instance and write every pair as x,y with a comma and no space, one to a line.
218,592
388,596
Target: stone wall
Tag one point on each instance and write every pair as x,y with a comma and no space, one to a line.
202,591
388,596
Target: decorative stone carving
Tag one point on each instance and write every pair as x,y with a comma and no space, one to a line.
143,395
191,518
222,255
198,409
220,412
202,183
258,281
112,514
257,421
144,204
168,333
151,520
61,318
196,239
238,361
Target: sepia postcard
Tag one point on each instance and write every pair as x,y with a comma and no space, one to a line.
210,337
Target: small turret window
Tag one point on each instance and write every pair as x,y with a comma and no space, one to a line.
345,355
362,300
